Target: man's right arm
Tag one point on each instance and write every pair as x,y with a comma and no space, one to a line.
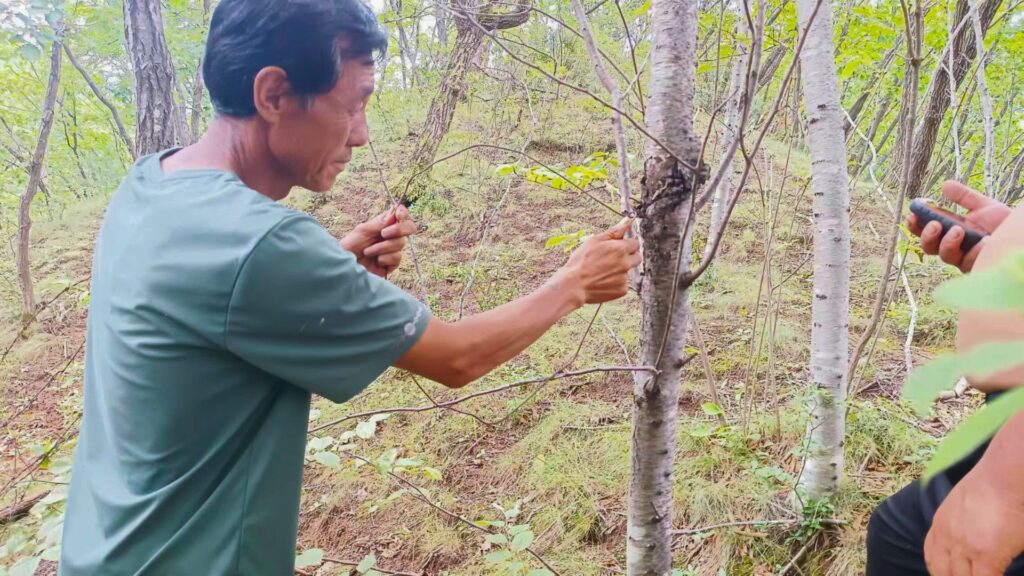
457,353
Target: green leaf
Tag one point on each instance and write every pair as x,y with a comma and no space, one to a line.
30,52
999,288
431,473
379,417
311,557
926,382
328,459
496,538
367,563
505,169
712,409
366,429
408,462
975,430
498,556
522,540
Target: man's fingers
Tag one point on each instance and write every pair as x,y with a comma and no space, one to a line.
949,247
988,567
967,264
931,235
618,231
962,195
385,247
913,225
390,261
400,228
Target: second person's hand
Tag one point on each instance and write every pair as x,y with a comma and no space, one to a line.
984,214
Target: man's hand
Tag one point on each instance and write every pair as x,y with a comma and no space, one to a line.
600,266
977,529
378,242
985,215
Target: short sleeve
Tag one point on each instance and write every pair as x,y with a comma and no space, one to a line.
303,310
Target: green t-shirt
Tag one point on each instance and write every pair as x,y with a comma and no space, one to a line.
215,312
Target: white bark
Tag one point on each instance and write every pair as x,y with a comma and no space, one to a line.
732,116
829,183
666,252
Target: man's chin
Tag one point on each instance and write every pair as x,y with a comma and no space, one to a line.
324,183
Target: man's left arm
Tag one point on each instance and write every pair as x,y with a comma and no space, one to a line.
979,529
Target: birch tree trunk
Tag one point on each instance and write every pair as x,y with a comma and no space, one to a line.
159,120
829,312
666,251
35,178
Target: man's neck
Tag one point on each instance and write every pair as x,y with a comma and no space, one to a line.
235,146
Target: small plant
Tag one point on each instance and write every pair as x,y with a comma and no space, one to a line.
510,540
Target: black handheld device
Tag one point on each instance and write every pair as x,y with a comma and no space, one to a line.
927,213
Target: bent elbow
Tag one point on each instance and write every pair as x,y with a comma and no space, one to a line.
461,371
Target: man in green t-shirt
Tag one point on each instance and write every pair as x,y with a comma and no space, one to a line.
216,311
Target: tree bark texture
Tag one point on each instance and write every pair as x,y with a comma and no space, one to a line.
964,50
159,119
35,178
830,309
668,195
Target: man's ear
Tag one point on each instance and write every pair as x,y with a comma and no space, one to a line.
271,93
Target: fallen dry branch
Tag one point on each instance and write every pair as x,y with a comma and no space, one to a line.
19,510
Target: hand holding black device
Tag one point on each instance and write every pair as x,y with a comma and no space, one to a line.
926,213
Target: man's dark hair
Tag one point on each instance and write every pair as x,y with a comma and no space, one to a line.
308,39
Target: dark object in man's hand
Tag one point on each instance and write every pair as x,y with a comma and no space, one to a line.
407,201
926,213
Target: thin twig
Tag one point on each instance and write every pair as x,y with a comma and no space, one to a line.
467,397
375,568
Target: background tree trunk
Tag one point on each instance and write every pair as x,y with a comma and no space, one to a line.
732,114
195,125
469,43
665,318
158,118
35,177
964,50
830,307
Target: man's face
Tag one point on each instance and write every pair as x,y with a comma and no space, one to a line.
313,141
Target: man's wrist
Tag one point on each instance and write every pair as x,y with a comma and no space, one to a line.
566,283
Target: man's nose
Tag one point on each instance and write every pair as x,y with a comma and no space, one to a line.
360,133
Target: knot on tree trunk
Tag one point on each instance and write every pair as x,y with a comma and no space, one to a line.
486,16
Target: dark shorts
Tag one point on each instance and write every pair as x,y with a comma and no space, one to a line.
899,525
